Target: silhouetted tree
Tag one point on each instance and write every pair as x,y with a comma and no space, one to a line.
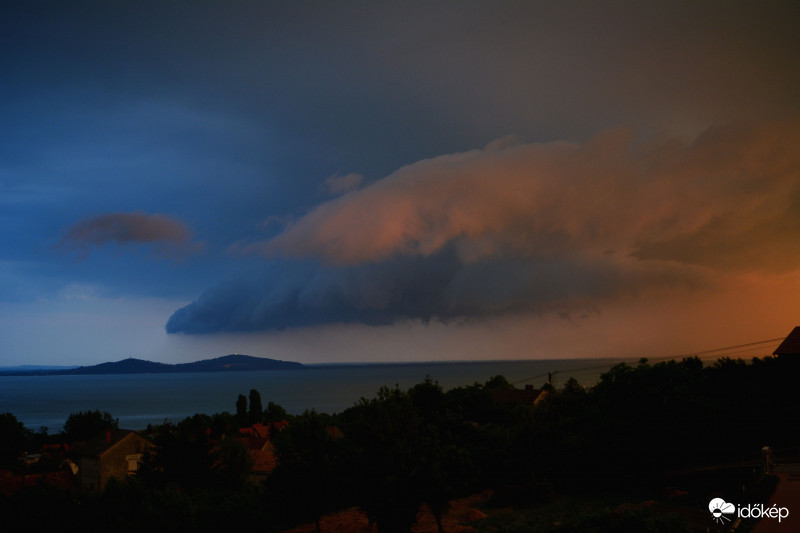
222,425
13,439
185,455
84,425
498,382
241,411
181,458
309,463
274,413
444,467
256,410
573,388
385,434
230,464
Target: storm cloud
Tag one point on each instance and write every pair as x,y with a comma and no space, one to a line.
439,287
520,228
469,173
614,192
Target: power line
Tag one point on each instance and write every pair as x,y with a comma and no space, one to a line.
706,353
730,347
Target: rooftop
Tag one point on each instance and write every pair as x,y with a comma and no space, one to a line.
790,345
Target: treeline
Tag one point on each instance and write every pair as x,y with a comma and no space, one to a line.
390,454
16,439
643,421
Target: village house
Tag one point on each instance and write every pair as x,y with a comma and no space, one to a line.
115,453
256,439
790,345
525,396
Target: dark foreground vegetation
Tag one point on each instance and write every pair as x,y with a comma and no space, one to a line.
643,432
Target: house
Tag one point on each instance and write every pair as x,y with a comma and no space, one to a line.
790,345
525,396
259,431
256,439
264,462
334,432
114,453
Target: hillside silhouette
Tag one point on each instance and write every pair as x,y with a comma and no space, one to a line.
227,363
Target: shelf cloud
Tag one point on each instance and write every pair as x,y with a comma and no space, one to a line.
526,228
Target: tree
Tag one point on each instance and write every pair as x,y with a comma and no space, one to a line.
274,413
309,459
230,464
385,434
186,455
241,410
181,455
13,439
573,388
223,425
256,411
444,466
84,425
498,383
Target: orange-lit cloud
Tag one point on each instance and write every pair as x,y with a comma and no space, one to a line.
730,199
337,184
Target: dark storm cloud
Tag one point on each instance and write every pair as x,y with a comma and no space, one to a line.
294,294
438,287
127,228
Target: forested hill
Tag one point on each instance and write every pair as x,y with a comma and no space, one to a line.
227,363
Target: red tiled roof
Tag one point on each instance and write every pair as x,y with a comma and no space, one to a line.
256,430
261,431
99,444
11,483
790,345
55,449
264,461
334,432
253,443
56,446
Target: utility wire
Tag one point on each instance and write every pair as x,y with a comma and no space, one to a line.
705,353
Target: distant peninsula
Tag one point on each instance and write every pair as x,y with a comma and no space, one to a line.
228,363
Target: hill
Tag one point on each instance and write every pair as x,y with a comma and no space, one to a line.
227,363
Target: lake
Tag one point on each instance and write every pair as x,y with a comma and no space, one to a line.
142,399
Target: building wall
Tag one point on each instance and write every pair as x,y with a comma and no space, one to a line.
119,461
89,473
115,461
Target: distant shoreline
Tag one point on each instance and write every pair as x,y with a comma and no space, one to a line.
227,363
467,362
180,368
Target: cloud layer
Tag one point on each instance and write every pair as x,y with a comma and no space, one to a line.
613,193
517,228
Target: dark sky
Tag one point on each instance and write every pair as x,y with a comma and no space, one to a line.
344,181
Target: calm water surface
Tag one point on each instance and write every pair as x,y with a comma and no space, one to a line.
141,399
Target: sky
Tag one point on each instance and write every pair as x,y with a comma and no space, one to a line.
396,181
